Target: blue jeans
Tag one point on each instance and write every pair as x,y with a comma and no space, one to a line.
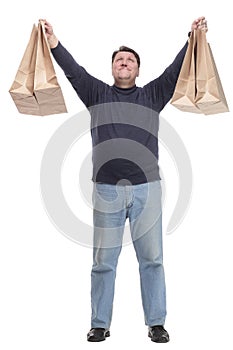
112,205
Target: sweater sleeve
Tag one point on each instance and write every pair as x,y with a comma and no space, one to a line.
86,86
162,88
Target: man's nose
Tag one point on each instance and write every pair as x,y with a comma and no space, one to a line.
124,63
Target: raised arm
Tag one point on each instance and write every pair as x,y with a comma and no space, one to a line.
162,88
86,86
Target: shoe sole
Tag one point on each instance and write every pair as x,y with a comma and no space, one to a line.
159,340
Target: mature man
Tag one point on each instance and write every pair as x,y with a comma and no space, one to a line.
124,128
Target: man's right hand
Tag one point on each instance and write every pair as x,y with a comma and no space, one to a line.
51,37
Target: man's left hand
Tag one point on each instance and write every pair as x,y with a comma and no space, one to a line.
200,23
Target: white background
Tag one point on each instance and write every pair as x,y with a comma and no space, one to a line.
45,277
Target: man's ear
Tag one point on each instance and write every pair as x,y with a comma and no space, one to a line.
138,72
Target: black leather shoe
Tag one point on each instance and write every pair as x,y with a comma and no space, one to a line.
158,334
98,334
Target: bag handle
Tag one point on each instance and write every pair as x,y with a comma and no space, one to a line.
41,24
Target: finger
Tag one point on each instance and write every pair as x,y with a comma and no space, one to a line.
202,23
197,21
48,27
46,23
200,19
203,27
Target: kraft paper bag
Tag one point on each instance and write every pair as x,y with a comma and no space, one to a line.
185,91
22,88
210,97
35,89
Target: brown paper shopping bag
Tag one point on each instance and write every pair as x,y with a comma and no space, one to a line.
22,88
35,89
210,97
185,91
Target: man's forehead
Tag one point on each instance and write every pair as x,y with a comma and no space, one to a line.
124,54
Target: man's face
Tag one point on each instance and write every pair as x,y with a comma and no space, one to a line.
125,69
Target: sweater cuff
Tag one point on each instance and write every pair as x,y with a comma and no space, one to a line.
55,48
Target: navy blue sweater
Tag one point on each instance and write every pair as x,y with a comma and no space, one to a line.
124,122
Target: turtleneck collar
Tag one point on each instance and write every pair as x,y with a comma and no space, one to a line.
125,91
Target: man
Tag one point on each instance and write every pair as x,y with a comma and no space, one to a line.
124,128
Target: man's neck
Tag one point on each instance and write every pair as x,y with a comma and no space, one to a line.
124,84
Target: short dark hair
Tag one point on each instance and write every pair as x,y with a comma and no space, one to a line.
126,49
